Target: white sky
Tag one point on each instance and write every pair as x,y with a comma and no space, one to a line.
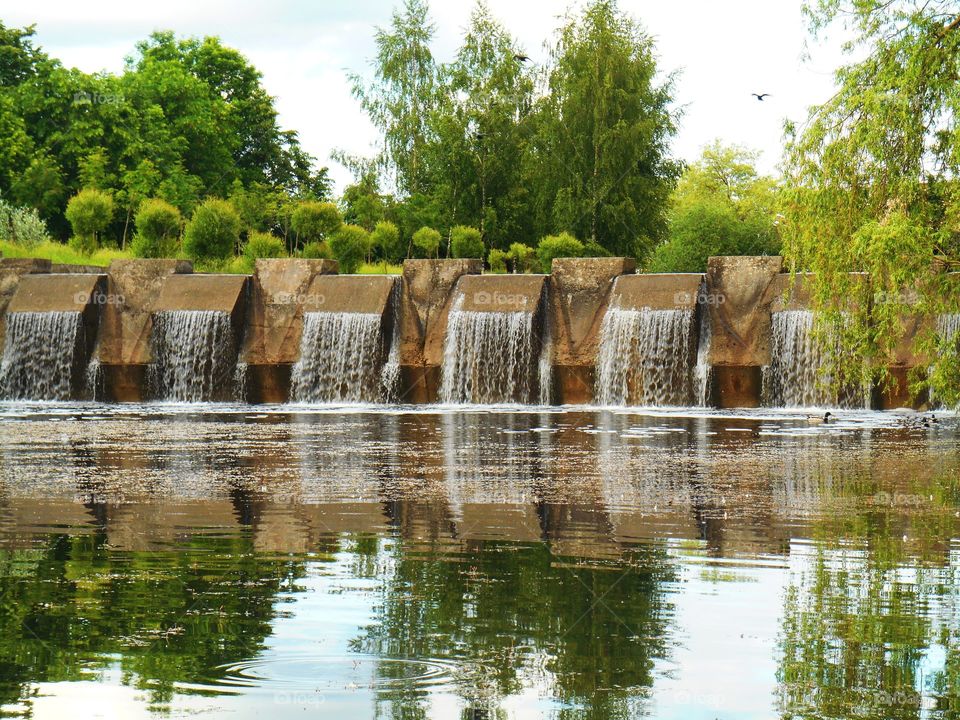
724,50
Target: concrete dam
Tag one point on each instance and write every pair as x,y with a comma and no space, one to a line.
592,332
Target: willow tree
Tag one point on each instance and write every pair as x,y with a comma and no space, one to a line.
874,185
604,135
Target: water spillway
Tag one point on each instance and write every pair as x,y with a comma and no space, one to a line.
42,352
195,356
349,342
492,346
648,345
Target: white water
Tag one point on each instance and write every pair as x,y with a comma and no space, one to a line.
488,357
341,359
390,376
194,355
948,326
646,357
795,375
40,353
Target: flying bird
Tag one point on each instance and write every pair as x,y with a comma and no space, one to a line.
520,57
761,96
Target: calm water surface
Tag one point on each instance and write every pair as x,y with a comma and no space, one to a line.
490,563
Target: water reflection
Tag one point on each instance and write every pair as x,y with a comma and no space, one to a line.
477,564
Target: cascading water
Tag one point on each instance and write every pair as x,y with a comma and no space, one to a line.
488,357
40,355
646,357
794,377
390,375
195,355
948,326
341,358
701,371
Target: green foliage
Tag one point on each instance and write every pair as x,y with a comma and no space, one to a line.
872,181
466,242
315,221
89,212
158,229
264,245
428,240
497,259
349,245
523,257
317,251
592,249
563,245
213,230
386,238
21,226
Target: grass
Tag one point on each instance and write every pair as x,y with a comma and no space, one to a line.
59,253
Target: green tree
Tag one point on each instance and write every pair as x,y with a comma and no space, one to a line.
89,213
314,221
873,183
213,231
497,260
386,238
349,245
563,245
428,240
158,229
602,169
466,242
263,245
522,257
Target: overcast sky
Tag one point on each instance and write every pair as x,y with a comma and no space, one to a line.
723,51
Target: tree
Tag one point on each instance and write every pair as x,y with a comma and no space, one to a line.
466,242
213,231
386,238
263,245
89,212
602,164
349,245
720,207
158,229
563,245
873,184
314,221
428,240
522,257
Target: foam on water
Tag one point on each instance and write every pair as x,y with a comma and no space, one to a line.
41,352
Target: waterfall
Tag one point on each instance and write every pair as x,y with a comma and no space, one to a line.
948,326
341,358
488,357
195,355
390,376
702,372
646,357
545,365
794,377
41,351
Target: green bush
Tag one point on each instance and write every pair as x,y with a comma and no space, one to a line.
563,245
264,245
317,251
466,242
497,259
349,245
213,230
522,256
314,221
428,240
594,249
89,213
158,229
22,226
386,236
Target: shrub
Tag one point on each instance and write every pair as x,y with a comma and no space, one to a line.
594,249
158,228
22,226
89,213
386,236
466,242
317,251
428,240
522,256
264,245
349,245
554,246
314,221
213,230
497,260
